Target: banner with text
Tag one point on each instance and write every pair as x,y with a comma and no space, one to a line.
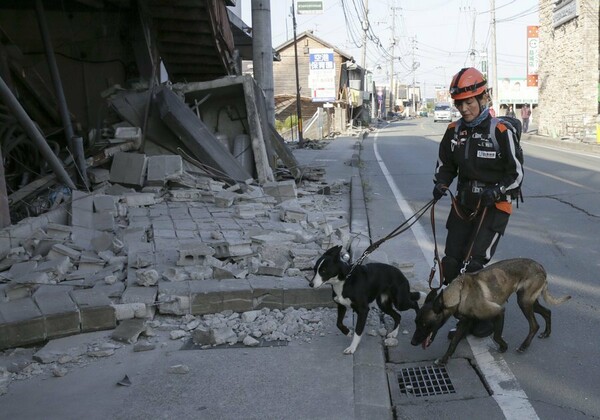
533,61
321,77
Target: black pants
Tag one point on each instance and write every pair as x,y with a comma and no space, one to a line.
461,234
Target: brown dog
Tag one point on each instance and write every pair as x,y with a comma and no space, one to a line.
481,295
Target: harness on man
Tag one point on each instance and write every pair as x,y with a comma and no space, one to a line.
516,128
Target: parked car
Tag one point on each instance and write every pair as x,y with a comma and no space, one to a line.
442,112
455,112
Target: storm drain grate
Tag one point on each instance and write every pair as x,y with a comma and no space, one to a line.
423,381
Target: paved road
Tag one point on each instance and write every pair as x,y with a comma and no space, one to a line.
557,225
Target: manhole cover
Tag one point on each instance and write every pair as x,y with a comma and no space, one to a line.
422,381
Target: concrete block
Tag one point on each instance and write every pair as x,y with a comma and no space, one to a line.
267,292
174,298
60,312
55,268
225,199
281,190
32,278
206,297
145,295
95,308
125,311
59,251
162,168
128,331
194,254
21,323
82,209
228,249
20,269
297,293
139,199
124,134
57,231
105,203
128,168
237,295
83,237
104,221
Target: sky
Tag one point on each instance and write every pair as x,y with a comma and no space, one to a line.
438,36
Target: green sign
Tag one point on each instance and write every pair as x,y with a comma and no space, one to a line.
310,7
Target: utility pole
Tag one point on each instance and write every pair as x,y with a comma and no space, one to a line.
414,71
262,53
298,101
494,52
392,58
365,27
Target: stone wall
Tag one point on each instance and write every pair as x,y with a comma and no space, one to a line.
568,72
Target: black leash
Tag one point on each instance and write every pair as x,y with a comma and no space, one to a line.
407,224
436,258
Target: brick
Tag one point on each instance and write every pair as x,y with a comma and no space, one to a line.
61,314
21,323
95,310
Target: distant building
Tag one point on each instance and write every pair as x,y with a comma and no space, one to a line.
326,75
568,68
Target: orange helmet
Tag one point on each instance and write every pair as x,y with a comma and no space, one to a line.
468,82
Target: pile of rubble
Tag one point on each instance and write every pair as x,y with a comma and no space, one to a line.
179,243
252,328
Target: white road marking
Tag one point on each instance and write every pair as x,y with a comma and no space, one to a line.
508,394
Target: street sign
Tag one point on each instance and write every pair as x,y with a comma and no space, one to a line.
309,7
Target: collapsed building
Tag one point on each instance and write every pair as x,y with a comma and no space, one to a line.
124,195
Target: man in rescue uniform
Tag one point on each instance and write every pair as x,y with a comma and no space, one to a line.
486,173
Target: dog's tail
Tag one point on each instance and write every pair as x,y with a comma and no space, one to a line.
551,299
415,296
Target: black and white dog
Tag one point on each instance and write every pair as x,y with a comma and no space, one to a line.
374,281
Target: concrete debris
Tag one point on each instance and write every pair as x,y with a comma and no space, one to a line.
190,245
179,369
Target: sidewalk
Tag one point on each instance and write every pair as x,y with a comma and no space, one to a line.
92,376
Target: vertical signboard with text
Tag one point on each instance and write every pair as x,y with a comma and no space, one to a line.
533,61
321,78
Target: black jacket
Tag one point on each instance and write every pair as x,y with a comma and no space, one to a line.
473,157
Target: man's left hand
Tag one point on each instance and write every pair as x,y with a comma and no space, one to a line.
489,196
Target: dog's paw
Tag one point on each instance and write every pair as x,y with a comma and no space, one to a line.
544,335
350,350
502,348
441,362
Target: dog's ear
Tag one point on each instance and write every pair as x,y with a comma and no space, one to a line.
431,296
438,304
334,251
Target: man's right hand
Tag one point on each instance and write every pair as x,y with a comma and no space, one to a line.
439,191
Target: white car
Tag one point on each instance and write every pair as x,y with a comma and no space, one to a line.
442,112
